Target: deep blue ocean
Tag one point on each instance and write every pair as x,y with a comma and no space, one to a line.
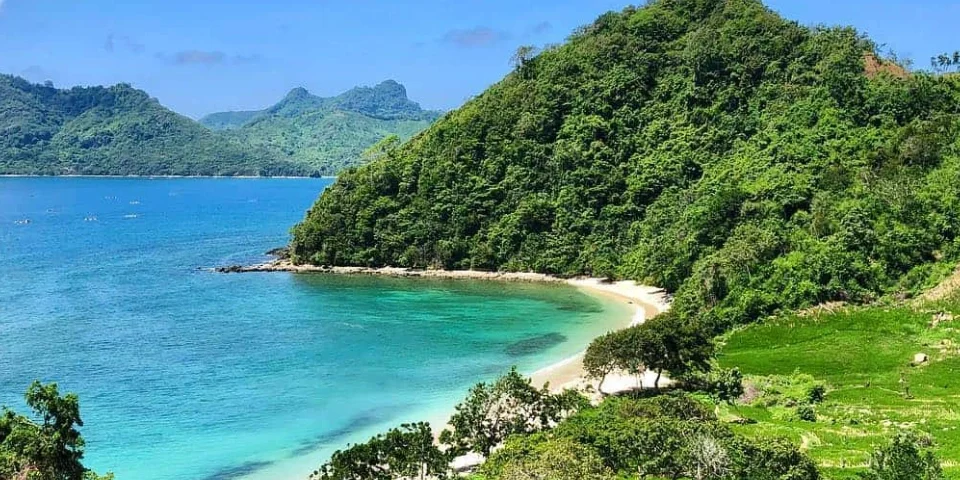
187,374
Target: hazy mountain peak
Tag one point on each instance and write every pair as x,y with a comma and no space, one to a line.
385,90
298,93
392,87
297,102
387,100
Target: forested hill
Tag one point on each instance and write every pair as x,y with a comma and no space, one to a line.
115,131
707,146
327,134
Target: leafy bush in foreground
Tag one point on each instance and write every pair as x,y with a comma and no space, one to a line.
49,450
511,405
538,457
671,436
405,453
903,459
667,436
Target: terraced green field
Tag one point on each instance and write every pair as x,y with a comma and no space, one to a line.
865,357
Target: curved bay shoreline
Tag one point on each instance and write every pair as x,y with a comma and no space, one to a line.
568,373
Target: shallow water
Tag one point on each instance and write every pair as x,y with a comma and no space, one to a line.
188,374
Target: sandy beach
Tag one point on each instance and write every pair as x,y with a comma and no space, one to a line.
648,303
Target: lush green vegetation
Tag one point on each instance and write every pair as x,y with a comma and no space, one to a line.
562,436
327,134
862,361
115,131
665,344
742,161
510,406
405,453
46,445
748,164
122,131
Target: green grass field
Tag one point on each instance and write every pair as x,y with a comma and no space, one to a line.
864,357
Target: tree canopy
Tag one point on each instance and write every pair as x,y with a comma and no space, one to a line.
46,445
405,453
511,405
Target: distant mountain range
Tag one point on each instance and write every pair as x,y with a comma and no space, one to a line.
327,134
120,130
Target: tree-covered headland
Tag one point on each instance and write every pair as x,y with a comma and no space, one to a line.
115,130
120,130
740,160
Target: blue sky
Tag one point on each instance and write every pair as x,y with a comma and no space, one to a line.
201,56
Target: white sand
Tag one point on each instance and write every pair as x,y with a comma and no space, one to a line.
569,373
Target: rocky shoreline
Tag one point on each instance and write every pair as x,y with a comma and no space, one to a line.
283,265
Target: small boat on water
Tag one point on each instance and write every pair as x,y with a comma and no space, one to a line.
91,218
25,221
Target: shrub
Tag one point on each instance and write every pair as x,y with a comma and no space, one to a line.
540,458
807,413
903,459
509,406
724,385
816,393
676,436
401,453
787,390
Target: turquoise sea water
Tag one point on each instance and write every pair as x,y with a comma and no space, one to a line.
188,374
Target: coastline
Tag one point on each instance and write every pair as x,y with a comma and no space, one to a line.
569,373
289,267
647,301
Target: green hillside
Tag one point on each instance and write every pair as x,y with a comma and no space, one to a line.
327,134
710,147
865,360
228,120
115,131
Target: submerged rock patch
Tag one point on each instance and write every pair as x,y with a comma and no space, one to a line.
238,471
533,345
